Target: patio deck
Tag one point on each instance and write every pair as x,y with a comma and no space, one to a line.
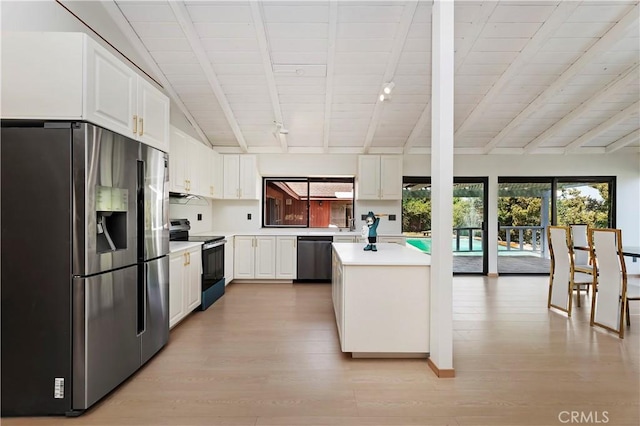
506,264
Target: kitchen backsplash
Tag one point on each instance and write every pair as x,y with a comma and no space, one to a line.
178,211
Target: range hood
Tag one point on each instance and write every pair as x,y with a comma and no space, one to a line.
183,198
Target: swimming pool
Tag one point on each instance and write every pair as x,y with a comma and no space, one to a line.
424,244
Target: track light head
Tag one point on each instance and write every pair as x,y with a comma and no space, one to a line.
388,87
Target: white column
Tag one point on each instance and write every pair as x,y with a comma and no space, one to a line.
492,226
442,70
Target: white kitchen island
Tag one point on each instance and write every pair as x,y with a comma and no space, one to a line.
381,300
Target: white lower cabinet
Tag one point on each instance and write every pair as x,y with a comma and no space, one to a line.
264,257
286,257
185,272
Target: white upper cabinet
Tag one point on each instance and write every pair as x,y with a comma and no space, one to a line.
194,168
89,84
153,116
216,174
240,177
178,179
379,177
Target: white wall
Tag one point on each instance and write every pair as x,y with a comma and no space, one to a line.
180,211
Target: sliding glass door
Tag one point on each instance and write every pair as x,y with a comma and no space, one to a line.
527,205
524,212
468,236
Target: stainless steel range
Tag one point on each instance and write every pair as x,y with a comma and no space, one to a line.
213,279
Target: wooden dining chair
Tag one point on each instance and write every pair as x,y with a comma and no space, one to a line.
609,298
563,278
579,236
633,294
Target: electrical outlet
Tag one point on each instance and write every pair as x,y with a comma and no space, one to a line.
199,216
363,217
248,216
392,217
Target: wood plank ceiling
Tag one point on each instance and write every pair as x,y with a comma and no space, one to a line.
306,76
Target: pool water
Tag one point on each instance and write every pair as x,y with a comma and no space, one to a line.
424,244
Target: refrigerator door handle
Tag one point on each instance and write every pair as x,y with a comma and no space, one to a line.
142,298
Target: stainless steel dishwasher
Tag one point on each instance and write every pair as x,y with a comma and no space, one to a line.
314,258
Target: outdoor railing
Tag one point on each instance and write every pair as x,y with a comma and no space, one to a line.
469,231
537,234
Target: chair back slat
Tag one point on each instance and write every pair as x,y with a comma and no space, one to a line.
560,274
579,237
607,308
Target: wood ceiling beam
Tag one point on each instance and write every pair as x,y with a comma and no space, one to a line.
331,54
123,24
557,18
425,118
615,34
182,15
263,42
401,36
622,142
606,92
603,127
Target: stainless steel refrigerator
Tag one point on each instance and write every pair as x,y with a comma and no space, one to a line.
84,265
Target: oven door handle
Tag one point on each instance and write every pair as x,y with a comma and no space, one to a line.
214,245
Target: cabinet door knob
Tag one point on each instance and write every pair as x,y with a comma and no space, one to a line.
135,124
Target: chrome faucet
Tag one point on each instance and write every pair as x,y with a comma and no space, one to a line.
352,224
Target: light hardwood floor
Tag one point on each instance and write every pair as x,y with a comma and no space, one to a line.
268,354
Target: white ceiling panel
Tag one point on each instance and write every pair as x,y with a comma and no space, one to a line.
369,13
238,69
235,57
500,44
219,13
224,30
158,30
364,45
415,58
509,30
598,13
418,45
359,69
147,11
179,44
175,57
298,31
283,59
230,44
482,58
588,30
364,31
298,45
560,44
181,69
532,12
419,30
296,13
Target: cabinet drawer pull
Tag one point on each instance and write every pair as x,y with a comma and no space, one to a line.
185,259
135,124
141,126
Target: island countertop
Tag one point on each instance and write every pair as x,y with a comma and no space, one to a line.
388,254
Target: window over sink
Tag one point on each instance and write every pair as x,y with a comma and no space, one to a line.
305,202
